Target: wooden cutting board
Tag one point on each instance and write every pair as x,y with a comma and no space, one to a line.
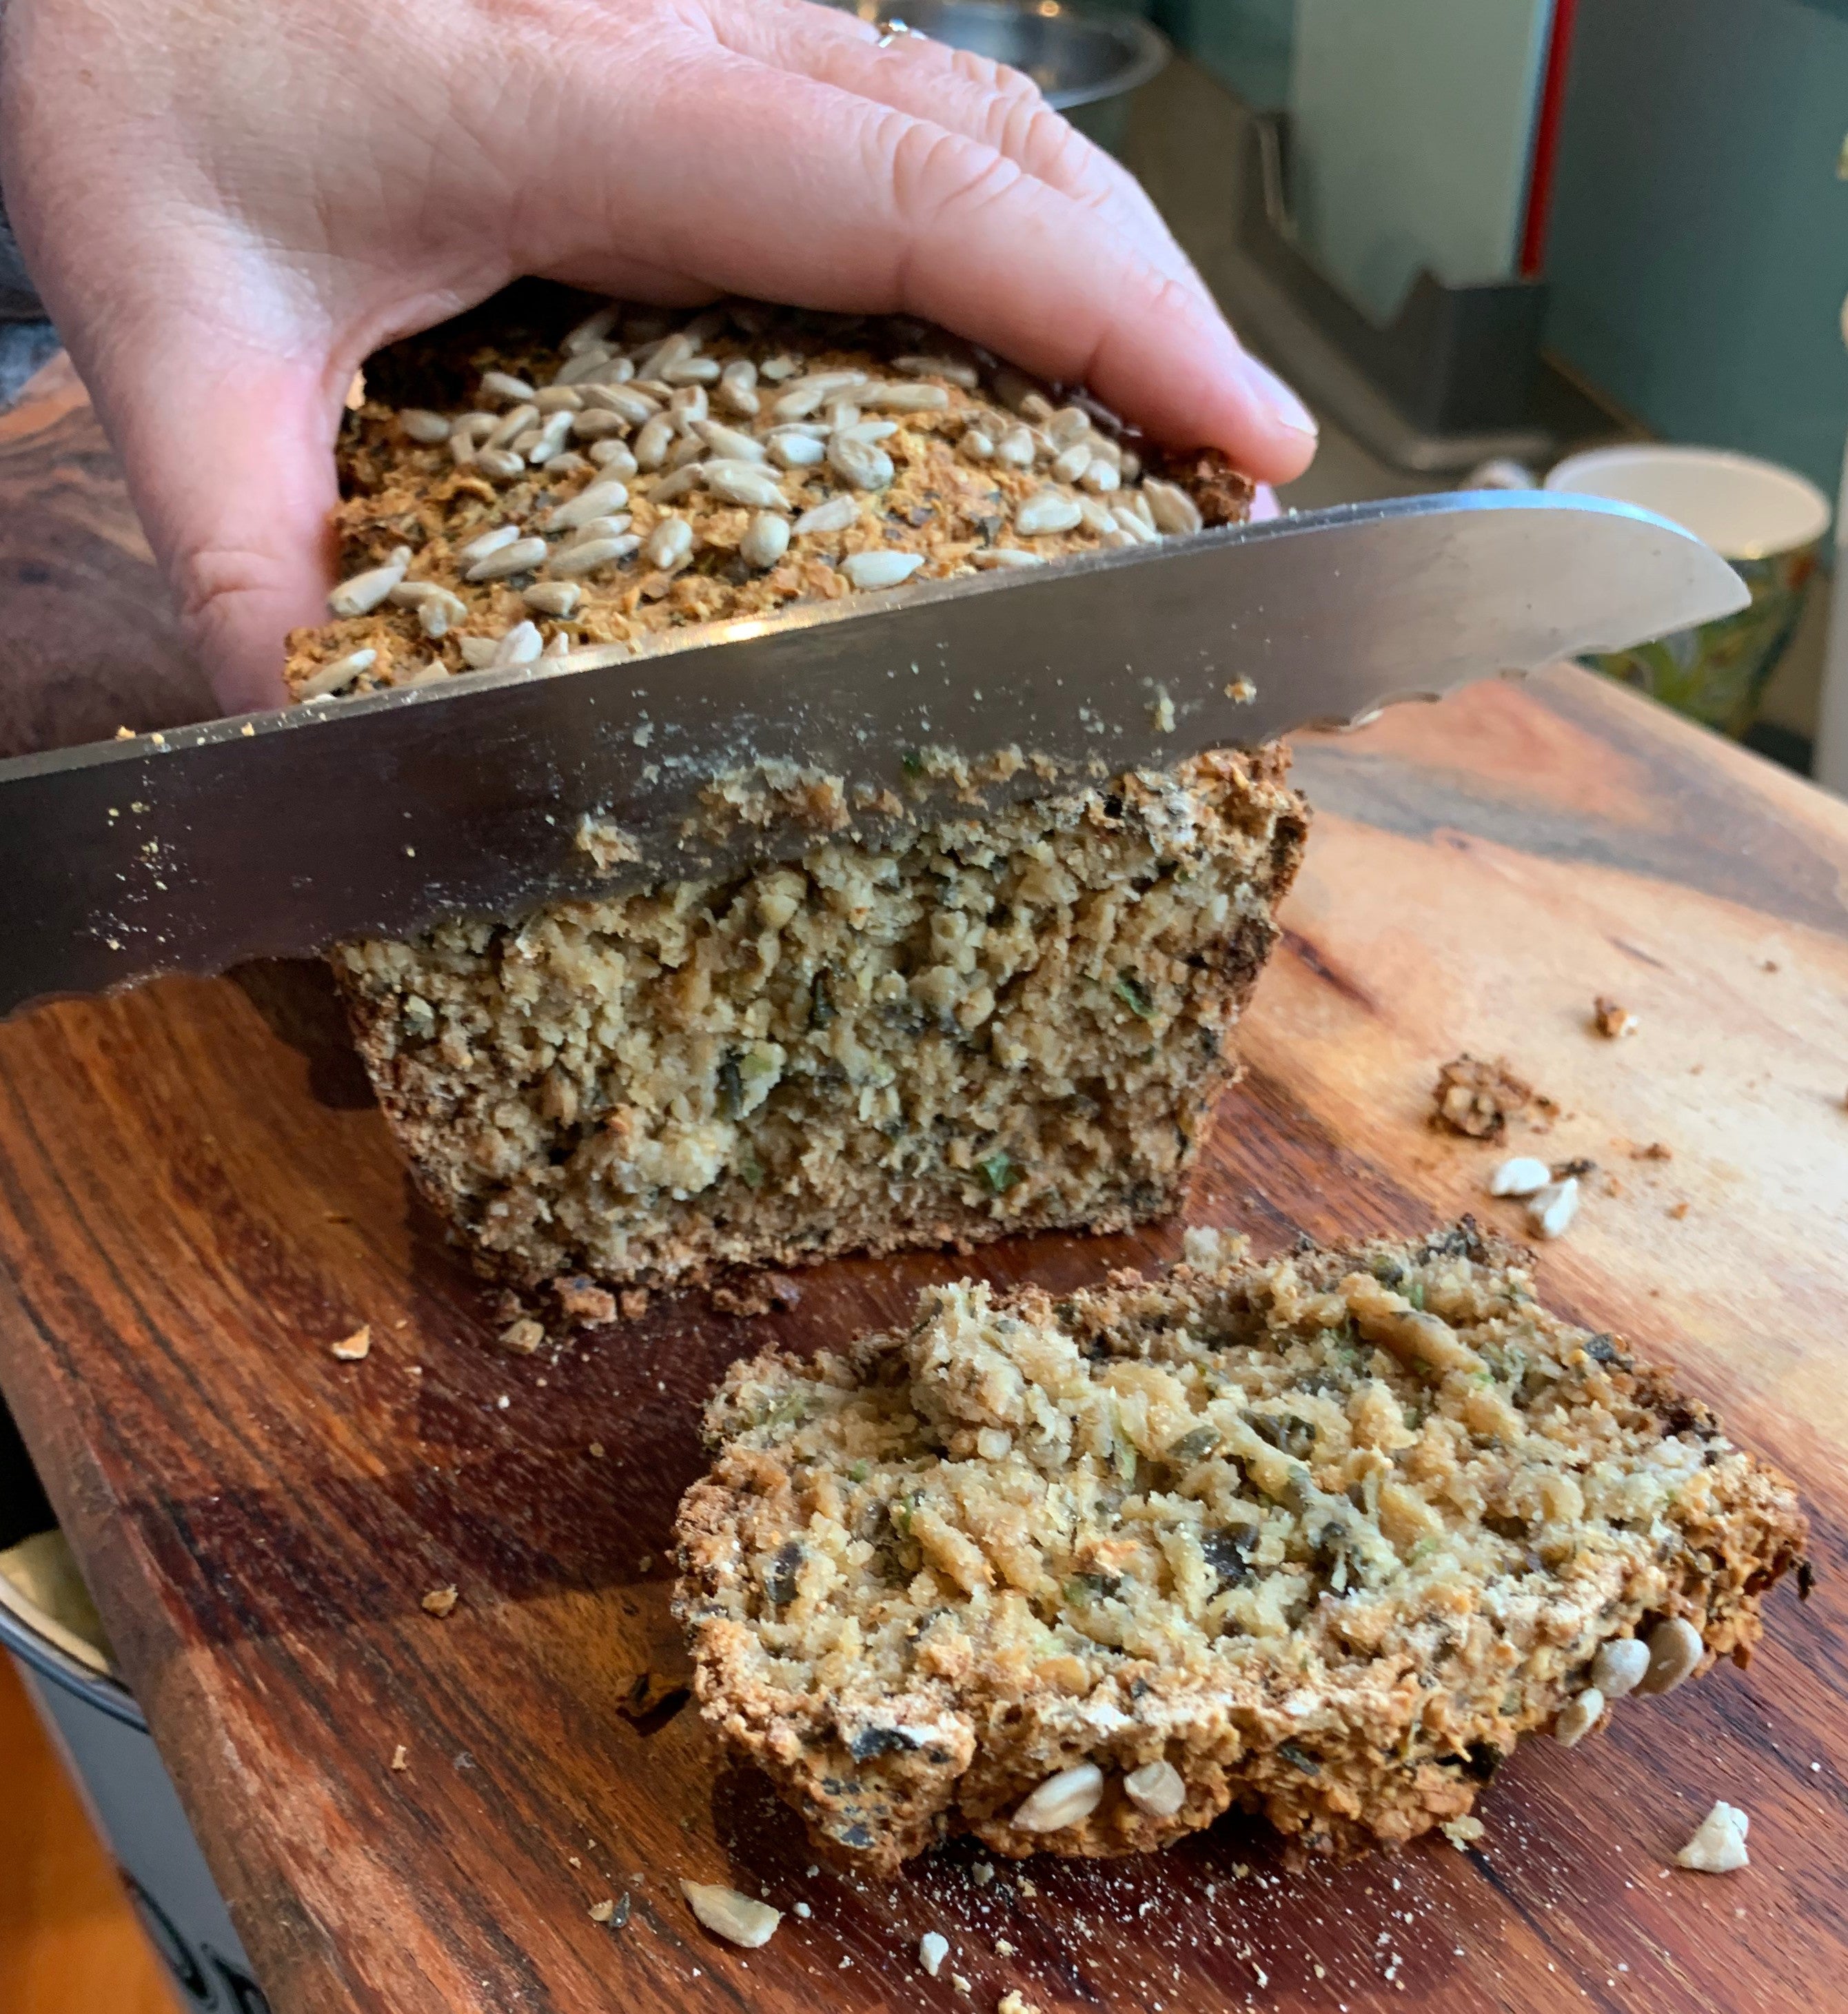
198,1197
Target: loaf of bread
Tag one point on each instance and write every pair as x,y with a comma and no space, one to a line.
986,1024
1322,1538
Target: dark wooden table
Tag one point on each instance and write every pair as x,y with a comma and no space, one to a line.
197,1197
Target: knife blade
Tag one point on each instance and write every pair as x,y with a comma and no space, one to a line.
281,833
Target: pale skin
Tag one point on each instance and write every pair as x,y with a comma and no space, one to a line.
227,204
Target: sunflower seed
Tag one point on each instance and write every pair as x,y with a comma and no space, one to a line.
1551,1210
1523,1175
729,1915
560,646
965,374
500,384
1130,467
558,399
689,448
618,370
1100,476
652,443
990,557
551,439
575,560
552,597
689,405
842,417
778,369
1096,514
513,423
524,444
790,449
623,400
1172,508
515,558
682,482
670,350
743,482
738,377
600,498
881,569
1718,1846
502,463
568,461
766,539
590,359
700,370
707,324
1103,449
479,547
1068,426
1675,1650
424,674
835,515
520,645
1134,501
592,329
808,395
670,543
597,424
1047,511
614,457
867,431
611,527
363,593
1036,407
1618,1666
439,610
1116,539
432,429
976,446
335,677
1577,1717
729,441
904,398
478,652
1015,448
1062,1801
1157,1788
864,467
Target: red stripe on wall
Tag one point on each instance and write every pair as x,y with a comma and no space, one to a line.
1546,139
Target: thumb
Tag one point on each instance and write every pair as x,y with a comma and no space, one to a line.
228,451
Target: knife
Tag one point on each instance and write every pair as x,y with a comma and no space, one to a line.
278,834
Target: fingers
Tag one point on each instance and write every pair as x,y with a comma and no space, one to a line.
228,453
822,196
971,95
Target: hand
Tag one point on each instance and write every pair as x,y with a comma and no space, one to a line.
228,204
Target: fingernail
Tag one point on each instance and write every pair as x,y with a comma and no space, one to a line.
1279,400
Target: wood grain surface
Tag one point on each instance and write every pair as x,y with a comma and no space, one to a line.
198,1197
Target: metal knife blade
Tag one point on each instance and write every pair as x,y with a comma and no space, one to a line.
281,833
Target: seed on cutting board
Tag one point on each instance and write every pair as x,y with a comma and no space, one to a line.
1047,511
976,446
614,457
1015,448
515,558
559,399
592,328
1157,1788
991,557
1098,517
808,395
596,424
880,569
738,388
686,478
1100,476
729,1915
1577,1717
512,424
689,406
623,400
1619,1667
700,370
503,384
611,527
478,652
1675,1652
791,449
1523,1175
766,539
1062,1800
670,543
485,542
1551,1210
335,677
1067,426
778,369
1718,1846
363,593
593,358
592,555
1070,462
834,515
608,494
550,441
430,428
864,467
744,483
1173,510
502,463
439,613
558,598
934,1947
843,416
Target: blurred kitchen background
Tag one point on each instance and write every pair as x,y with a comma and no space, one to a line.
1483,235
